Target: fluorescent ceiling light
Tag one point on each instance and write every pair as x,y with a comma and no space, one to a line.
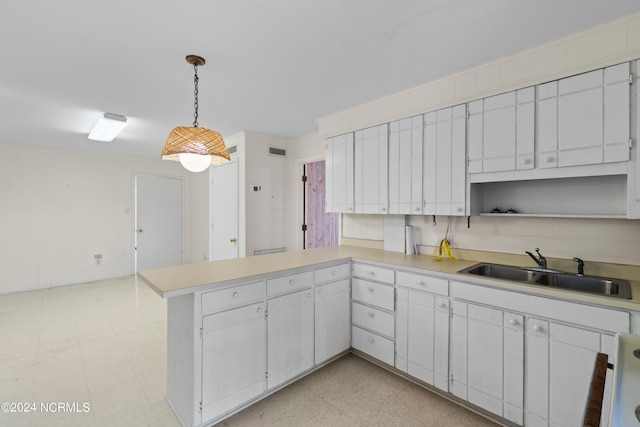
108,127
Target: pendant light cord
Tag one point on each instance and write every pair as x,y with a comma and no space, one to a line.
195,95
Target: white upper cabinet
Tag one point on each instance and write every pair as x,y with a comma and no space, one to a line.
405,166
584,119
444,164
371,192
633,179
501,132
339,174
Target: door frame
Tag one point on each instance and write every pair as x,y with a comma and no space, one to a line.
299,208
134,217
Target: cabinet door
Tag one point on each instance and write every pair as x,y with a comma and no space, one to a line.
547,125
422,341
499,139
371,192
580,119
444,164
560,362
458,160
429,164
405,166
474,135
339,174
443,161
289,336
233,358
487,359
525,128
332,320
616,113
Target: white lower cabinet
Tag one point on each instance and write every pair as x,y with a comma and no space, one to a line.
422,337
233,358
523,356
487,363
422,328
290,336
560,360
332,320
373,312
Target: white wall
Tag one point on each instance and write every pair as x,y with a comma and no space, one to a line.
265,208
301,150
59,208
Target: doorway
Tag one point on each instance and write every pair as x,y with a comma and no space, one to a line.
224,242
158,237
319,228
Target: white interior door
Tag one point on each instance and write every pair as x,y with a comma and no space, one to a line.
224,211
158,208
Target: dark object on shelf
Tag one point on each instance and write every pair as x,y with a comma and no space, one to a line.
496,210
511,210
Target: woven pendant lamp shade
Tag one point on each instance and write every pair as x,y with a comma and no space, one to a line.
195,140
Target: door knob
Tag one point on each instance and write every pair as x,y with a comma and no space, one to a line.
233,240
139,230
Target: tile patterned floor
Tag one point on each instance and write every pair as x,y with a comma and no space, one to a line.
101,347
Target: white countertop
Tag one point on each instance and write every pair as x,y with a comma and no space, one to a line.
189,278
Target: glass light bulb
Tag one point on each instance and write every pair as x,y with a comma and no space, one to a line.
195,162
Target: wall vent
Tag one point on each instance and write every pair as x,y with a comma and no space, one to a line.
232,149
274,151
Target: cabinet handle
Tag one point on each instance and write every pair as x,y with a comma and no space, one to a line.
334,272
537,328
236,295
421,283
548,159
441,305
370,314
417,209
370,289
513,322
370,340
383,209
371,272
291,281
259,310
308,294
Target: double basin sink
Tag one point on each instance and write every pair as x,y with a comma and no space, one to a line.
616,288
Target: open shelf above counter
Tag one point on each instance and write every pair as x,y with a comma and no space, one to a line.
582,197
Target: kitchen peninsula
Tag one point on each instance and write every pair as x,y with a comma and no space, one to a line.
241,329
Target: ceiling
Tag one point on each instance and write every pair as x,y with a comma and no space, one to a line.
273,66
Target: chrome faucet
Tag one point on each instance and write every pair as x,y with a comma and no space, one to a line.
541,261
580,266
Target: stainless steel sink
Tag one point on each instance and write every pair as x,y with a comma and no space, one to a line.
617,288
597,285
505,272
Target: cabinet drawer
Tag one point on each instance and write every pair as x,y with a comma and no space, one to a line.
292,282
372,272
434,285
382,296
330,274
237,296
373,319
374,345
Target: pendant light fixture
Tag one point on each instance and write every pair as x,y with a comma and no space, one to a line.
196,148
